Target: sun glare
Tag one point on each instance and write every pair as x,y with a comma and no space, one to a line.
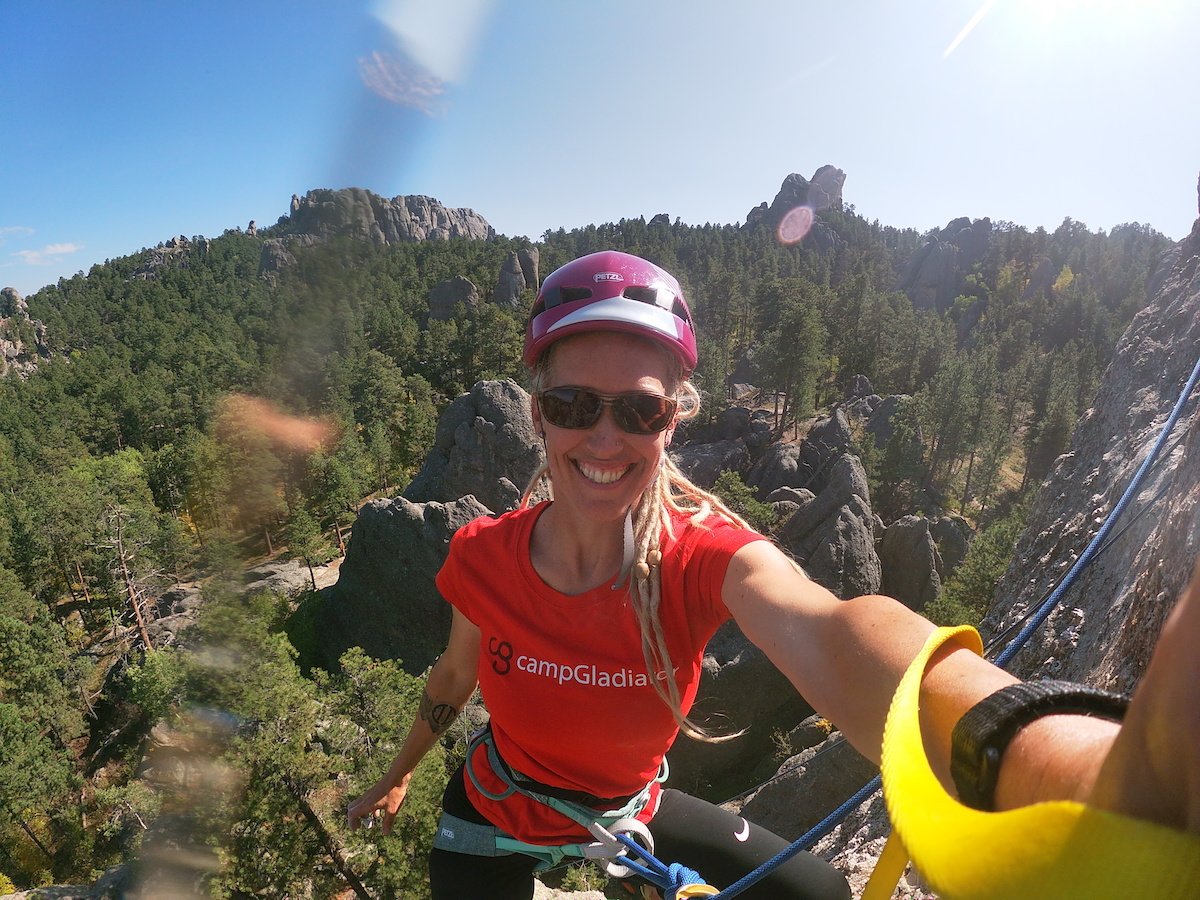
1121,18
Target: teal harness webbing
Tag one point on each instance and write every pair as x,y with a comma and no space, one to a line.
461,836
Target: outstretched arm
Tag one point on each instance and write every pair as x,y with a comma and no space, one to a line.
847,657
447,689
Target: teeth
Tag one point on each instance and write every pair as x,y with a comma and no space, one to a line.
601,476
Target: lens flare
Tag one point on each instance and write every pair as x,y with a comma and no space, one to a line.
795,224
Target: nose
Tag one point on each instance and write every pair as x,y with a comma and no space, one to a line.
606,431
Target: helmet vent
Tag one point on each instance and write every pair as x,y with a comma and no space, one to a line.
642,294
560,295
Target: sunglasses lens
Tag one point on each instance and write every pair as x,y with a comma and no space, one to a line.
570,407
643,413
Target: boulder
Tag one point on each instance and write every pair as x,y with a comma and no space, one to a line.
832,536
448,295
952,535
778,467
804,465
485,445
859,386
704,463
385,600
910,562
809,786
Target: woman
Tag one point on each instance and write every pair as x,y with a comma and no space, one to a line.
584,620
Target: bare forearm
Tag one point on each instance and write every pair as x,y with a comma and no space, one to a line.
442,699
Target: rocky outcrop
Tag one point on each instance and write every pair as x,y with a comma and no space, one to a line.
485,445
796,192
952,535
1105,629
530,259
385,600
934,274
704,463
910,562
806,464
12,304
447,296
879,425
23,341
824,776
832,536
509,284
360,214
740,690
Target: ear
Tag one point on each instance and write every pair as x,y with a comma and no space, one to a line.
669,434
535,412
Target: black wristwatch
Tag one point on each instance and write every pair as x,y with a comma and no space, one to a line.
979,738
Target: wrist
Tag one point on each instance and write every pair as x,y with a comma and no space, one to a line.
1038,738
1056,757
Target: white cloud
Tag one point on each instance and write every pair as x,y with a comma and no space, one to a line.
15,230
45,256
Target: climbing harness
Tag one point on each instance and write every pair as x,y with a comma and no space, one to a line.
460,836
1053,849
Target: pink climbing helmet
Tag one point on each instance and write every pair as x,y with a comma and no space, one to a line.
611,291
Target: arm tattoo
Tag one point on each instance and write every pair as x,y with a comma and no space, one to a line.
440,716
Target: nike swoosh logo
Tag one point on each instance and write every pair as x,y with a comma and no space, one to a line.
744,833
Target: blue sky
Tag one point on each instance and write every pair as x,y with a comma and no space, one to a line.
127,123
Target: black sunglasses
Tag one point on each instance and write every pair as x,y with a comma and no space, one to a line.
635,412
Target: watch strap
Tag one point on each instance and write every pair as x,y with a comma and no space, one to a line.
982,734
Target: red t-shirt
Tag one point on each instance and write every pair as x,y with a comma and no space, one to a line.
563,676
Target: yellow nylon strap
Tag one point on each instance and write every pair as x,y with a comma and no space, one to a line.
696,890
1047,850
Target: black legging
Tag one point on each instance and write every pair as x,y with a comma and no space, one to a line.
686,830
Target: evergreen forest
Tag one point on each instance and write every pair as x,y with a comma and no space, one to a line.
129,464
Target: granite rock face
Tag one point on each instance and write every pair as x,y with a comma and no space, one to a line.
823,191
361,214
1105,628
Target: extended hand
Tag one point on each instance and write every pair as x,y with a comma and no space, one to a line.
383,797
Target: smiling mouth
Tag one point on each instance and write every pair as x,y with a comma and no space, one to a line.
601,476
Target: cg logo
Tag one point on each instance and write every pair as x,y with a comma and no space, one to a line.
503,651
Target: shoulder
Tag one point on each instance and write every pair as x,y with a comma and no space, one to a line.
714,534
502,528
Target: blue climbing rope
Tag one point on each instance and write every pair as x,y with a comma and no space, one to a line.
826,825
